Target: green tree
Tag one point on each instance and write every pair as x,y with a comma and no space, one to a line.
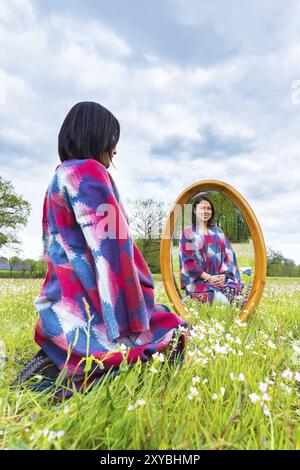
146,218
40,267
14,213
14,261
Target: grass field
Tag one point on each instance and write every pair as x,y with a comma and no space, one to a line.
237,389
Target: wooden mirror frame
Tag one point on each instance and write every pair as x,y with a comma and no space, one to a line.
260,269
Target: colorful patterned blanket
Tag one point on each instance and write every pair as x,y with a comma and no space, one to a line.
97,301
211,253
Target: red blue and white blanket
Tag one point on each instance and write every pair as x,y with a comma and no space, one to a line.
97,299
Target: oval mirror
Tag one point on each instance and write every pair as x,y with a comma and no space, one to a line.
213,251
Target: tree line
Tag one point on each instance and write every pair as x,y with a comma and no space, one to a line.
146,220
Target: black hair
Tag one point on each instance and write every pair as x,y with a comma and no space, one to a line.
196,201
88,131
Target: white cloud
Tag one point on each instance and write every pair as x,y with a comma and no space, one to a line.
51,61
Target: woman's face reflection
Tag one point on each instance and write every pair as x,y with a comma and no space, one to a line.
203,212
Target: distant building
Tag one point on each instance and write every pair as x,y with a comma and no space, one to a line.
4,266
17,267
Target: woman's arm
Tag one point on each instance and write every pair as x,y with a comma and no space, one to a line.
191,266
229,262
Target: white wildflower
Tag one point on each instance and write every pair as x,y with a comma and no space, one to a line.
195,380
241,378
266,397
123,349
287,374
38,377
193,394
272,345
286,388
254,397
240,323
159,357
140,402
263,387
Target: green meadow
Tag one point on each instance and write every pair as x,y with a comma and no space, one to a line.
238,388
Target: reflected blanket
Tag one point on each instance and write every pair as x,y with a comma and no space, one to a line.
211,253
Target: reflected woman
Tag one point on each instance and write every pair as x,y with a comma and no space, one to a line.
208,265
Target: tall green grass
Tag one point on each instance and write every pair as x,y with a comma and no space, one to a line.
204,404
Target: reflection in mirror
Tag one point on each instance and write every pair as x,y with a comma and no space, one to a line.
212,254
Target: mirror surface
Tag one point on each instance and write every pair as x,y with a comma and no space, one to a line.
212,254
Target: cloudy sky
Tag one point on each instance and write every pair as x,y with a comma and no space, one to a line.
201,90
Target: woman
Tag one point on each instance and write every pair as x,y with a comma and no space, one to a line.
208,266
97,300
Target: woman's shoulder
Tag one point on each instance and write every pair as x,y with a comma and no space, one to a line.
216,229
80,164
77,169
188,232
